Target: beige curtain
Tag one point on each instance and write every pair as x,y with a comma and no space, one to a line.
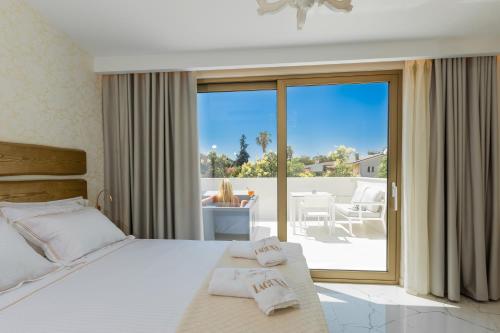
151,154
464,193
417,79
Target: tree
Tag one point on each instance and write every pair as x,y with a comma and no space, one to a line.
342,167
267,166
306,160
289,153
341,154
263,140
212,157
204,165
295,168
320,159
340,170
220,166
382,168
243,155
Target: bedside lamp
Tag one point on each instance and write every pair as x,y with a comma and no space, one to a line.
103,192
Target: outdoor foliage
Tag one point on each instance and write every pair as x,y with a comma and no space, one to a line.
267,166
341,154
320,159
342,167
263,140
340,170
295,168
215,165
382,169
289,153
218,166
243,155
306,160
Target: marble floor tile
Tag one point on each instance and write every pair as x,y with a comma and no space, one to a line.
353,308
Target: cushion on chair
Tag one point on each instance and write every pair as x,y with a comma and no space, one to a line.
348,211
372,194
358,192
368,192
318,214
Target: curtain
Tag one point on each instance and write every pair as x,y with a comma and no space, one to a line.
151,154
464,200
417,80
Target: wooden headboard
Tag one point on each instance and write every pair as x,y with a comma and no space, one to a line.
18,159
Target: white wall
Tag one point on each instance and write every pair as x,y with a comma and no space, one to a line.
49,93
373,162
266,189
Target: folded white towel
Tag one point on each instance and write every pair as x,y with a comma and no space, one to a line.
269,252
231,282
270,291
241,249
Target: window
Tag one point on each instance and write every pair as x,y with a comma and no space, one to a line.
238,154
303,156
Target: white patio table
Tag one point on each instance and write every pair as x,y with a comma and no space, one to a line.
295,198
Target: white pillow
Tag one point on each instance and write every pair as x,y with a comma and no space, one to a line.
69,235
79,200
372,195
20,212
19,263
358,193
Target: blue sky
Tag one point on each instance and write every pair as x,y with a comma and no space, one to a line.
319,118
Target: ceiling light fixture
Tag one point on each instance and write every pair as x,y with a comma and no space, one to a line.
302,6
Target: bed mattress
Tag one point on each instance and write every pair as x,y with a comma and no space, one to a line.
131,286
135,286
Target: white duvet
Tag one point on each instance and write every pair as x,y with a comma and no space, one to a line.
132,286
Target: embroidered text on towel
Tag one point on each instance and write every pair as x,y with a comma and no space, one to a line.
258,287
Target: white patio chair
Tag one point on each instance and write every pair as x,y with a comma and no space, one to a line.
368,203
317,207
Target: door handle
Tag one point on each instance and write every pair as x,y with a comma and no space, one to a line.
394,194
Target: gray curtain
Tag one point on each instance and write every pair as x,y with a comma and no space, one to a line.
464,197
151,154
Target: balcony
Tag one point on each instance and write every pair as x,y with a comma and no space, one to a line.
326,245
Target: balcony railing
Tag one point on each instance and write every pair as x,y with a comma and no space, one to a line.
266,188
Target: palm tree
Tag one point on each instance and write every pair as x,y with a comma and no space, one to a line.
263,140
289,153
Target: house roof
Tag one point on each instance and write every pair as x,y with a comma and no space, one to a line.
368,158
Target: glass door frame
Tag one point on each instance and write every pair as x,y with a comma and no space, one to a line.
280,84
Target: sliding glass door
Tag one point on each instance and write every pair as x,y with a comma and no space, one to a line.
323,166
238,162
341,176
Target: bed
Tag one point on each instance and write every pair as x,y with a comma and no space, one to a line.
134,285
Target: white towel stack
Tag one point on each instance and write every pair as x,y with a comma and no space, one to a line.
266,286
267,251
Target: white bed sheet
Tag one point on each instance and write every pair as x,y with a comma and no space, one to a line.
132,286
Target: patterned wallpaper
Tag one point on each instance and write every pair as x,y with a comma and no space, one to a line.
49,93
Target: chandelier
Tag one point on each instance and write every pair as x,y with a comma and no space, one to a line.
302,6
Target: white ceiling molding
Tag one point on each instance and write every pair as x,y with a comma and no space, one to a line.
302,7
301,70
299,56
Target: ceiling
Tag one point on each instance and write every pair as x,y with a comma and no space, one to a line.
153,27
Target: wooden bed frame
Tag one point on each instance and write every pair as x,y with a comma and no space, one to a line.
17,159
